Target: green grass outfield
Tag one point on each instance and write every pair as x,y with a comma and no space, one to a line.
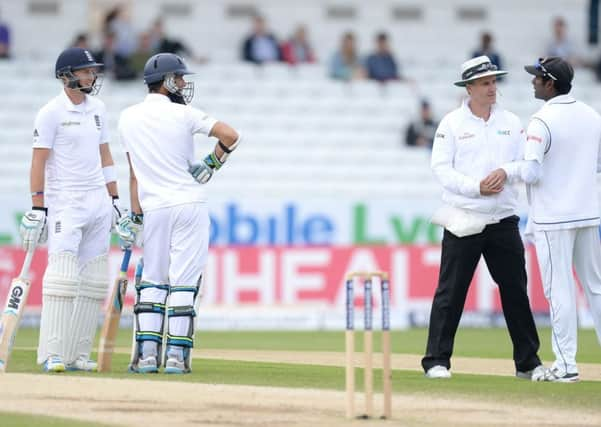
482,343
10,419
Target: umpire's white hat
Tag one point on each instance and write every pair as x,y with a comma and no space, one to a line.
476,68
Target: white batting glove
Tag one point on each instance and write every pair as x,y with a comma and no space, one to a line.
203,171
129,229
33,228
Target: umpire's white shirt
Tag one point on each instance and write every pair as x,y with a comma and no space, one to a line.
467,148
159,137
564,136
73,134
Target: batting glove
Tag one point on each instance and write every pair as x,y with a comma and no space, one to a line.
129,229
203,171
33,228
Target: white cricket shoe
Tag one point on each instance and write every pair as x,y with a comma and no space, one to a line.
556,376
533,374
175,366
53,364
438,371
82,363
146,365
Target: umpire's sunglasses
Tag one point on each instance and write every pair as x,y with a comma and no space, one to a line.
539,66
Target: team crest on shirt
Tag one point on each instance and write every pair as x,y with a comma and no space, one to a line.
97,120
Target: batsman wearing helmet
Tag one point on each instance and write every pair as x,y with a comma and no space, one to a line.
165,183
71,170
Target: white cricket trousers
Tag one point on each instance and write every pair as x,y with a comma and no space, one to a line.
559,252
176,244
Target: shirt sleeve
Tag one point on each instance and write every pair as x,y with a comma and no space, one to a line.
538,140
44,130
200,122
443,154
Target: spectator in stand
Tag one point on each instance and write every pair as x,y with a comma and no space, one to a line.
115,65
298,50
345,63
486,49
561,45
117,22
141,55
420,133
261,46
381,65
81,41
161,43
4,41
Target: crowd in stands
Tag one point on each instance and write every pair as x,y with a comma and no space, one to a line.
124,52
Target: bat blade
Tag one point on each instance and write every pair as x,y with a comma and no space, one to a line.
11,315
110,327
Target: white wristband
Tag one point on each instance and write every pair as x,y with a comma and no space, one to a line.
109,174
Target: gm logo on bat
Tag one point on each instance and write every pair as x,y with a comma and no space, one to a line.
14,299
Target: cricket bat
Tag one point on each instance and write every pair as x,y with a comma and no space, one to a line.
13,310
113,315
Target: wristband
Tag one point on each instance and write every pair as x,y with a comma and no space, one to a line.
37,193
109,174
40,208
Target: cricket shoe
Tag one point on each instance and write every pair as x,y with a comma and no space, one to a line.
533,374
438,371
556,376
175,366
82,364
146,365
53,364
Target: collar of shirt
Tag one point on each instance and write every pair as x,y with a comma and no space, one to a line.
156,97
467,111
561,99
78,108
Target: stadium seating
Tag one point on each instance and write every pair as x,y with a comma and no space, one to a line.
304,135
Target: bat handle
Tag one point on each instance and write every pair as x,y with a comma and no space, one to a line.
27,263
125,262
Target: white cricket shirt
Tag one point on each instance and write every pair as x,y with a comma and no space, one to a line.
467,149
564,136
159,136
73,134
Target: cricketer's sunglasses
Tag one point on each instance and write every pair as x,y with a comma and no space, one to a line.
541,67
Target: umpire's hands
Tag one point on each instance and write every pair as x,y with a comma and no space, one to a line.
493,183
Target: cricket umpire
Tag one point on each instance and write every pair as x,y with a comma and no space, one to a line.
471,146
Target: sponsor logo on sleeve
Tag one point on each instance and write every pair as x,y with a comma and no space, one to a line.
97,121
439,135
534,138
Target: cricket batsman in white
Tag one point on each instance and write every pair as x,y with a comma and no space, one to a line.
71,171
167,198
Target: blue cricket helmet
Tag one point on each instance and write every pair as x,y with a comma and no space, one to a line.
73,59
163,64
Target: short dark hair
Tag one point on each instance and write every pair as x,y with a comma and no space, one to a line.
154,87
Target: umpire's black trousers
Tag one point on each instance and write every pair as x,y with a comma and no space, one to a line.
503,251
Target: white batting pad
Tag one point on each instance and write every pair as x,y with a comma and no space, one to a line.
59,290
86,308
